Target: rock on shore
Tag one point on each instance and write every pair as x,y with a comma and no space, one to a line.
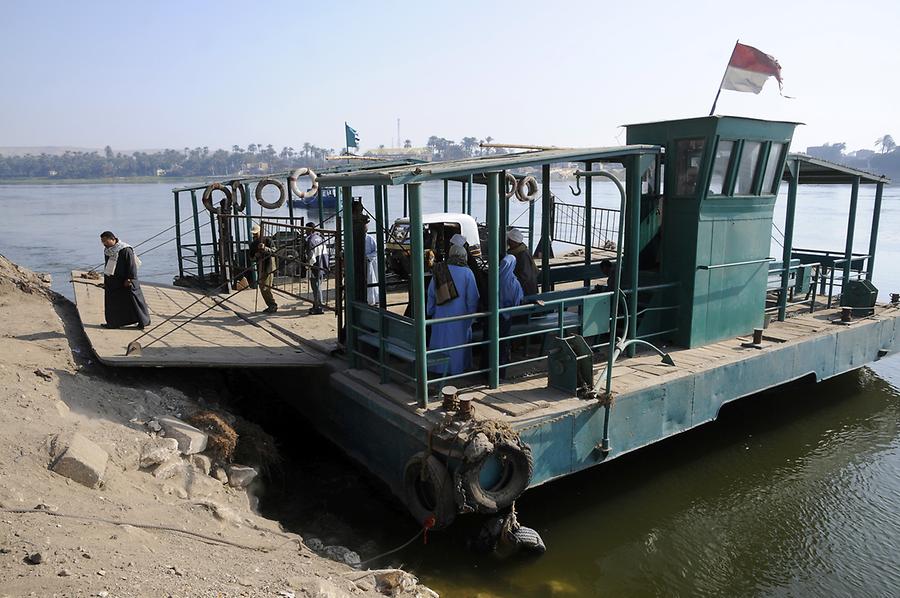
82,511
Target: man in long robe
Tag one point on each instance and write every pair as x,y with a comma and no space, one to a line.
449,334
123,301
511,295
526,269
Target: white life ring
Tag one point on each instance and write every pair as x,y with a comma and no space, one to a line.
527,189
511,184
313,183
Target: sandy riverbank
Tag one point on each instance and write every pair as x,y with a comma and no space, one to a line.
122,538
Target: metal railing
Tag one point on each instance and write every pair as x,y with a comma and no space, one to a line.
569,224
294,270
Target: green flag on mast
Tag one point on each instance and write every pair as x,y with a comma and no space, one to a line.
352,136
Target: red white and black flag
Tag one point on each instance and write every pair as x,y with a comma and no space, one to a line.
749,69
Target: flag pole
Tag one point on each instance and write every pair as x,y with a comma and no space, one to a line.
722,82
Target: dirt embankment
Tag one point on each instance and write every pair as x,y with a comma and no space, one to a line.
141,531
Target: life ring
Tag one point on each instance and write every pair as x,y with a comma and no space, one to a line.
429,490
527,189
207,197
313,183
237,189
514,465
272,205
511,185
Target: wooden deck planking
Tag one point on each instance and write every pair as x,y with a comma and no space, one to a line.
216,338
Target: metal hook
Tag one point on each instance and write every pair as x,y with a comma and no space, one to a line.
577,184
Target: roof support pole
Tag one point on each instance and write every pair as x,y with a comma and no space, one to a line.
418,290
405,201
349,273
446,198
530,227
462,199
469,205
379,238
851,225
633,215
504,218
493,251
546,209
588,229
873,236
794,169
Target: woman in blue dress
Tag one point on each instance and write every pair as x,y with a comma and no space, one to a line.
464,301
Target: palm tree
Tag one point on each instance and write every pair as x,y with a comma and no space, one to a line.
306,149
886,142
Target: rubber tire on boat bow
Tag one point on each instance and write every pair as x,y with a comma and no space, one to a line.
428,489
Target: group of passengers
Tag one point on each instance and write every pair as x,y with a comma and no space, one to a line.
453,291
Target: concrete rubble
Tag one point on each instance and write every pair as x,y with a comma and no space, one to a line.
190,439
80,460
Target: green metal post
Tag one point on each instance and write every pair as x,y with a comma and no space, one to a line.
349,273
503,227
873,236
546,209
382,295
588,230
633,241
322,209
446,197
213,229
462,205
405,201
493,302
379,239
530,227
794,169
851,225
418,289
290,204
469,204
178,235
199,253
387,216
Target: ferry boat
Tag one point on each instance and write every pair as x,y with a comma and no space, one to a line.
695,314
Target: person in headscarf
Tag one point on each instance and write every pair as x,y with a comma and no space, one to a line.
449,334
371,271
511,295
318,266
262,251
123,301
526,270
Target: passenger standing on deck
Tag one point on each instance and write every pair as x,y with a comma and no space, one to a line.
317,266
442,302
526,270
371,271
123,301
261,250
511,295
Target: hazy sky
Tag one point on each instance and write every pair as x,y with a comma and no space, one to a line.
175,74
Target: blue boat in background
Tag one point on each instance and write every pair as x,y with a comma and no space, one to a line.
327,196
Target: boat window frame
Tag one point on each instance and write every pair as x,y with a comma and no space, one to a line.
704,140
778,167
728,175
755,182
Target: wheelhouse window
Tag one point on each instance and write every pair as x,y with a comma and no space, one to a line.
770,182
689,158
720,167
747,168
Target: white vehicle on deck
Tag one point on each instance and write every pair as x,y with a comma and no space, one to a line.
438,228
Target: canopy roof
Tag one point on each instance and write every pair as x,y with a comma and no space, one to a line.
815,171
453,169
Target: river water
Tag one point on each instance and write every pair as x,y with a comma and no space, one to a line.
795,492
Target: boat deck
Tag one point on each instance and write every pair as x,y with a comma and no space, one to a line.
233,334
528,400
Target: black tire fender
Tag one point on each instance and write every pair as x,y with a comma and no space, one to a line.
271,205
207,197
313,183
428,490
517,467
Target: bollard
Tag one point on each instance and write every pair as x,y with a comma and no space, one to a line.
451,402
895,298
846,314
757,336
466,407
